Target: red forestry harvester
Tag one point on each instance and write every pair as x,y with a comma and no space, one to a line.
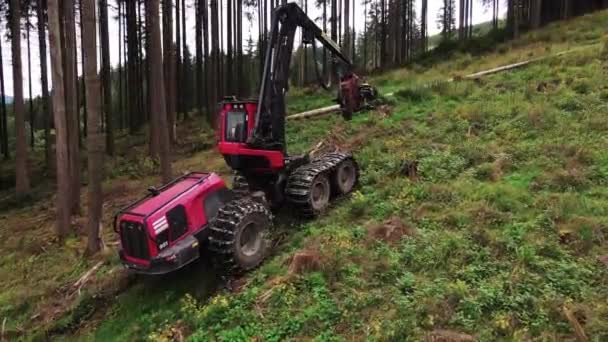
165,230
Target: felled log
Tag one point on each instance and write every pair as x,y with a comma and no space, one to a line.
314,112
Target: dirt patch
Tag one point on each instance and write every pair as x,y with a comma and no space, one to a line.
384,111
603,259
580,233
305,261
390,231
441,335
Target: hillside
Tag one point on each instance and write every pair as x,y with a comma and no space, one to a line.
482,213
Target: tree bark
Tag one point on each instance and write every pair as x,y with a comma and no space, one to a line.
106,75
133,72
95,136
169,64
157,91
240,81
82,96
121,112
71,109
516,17
3,119
347,42
29,77
178,56
325,31
383,33
198,32
215,53
334,37
48,154
59,113
22,186
229,81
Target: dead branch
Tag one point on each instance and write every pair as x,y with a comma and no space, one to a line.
576,325
85,277
3,328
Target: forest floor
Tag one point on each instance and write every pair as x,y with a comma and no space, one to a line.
482,213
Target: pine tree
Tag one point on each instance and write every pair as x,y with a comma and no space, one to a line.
446,20
22,187
95,136
44,82
157,92
59,113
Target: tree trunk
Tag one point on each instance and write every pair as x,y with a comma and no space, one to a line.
364,64
229,81
220,53
59,113
71,109
121,112
334,37
565,9
325,31
178,57
95,137
354,36
383,34
142,65
240,80
215,57
461,19
185,107
516,17
207,60
157,92
3,119
82,96
169,64
198,32
470,18
29,77
133,72
347,42
48,154
22,187
106,75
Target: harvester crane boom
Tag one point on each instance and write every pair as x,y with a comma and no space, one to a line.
269,129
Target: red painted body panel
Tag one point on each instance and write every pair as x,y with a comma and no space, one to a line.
155,202
275,158
190,192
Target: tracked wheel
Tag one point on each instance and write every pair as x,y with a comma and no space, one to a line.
345,176
309,187
320,192
239,236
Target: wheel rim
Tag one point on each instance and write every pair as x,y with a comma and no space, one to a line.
346,177
320,192
250,240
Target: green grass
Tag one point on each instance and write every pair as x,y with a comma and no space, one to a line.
506,215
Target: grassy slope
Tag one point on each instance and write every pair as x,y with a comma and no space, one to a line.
506,216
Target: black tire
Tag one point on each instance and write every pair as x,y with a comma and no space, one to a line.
320,193
345,177
239,236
